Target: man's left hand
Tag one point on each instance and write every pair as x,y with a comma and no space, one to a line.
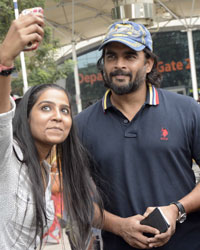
171,213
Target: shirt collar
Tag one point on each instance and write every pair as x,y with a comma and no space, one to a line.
152,97
106,103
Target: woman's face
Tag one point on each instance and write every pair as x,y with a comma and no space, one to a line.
50,118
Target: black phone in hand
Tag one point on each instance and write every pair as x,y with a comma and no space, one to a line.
157,220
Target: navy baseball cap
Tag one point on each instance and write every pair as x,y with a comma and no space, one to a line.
134,35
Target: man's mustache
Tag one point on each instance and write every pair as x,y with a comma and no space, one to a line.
121,73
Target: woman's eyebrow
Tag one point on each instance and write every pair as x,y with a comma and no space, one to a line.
50,102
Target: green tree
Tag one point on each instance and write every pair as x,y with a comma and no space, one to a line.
40,64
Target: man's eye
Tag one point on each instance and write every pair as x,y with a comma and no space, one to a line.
131,56
46,108
110,57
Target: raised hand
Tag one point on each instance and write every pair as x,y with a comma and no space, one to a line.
22,31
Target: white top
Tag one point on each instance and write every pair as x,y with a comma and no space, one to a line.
17,205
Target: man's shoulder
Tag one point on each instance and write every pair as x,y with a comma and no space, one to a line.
178,104
89,112
174,97
87,118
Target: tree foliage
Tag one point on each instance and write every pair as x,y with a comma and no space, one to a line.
40,64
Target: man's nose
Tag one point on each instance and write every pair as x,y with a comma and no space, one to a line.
120,63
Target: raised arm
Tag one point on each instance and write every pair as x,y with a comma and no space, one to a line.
21,32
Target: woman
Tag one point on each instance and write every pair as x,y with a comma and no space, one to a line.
42,119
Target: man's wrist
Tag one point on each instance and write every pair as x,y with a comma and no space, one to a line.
175,209
181,217
112,223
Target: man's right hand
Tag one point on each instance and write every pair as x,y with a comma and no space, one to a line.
132,232
129,229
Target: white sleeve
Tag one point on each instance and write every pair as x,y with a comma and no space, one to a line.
6,134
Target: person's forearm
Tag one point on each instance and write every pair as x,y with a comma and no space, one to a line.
109,222
112,223
191,202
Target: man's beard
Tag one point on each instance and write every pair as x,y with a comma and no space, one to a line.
131,87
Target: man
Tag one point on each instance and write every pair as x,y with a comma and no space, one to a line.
143,140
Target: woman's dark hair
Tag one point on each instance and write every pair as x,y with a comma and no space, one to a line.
78,190
154,77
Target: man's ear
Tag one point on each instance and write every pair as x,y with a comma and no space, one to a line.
149,64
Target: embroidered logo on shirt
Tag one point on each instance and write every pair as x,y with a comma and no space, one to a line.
164,134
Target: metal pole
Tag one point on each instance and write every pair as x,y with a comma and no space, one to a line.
76,75
24,75
191,49
76,78
192,64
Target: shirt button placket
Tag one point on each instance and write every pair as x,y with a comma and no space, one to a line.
125,121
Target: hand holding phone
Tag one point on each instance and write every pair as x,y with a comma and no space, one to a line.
157,220
34,44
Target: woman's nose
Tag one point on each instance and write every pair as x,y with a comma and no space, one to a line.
57,114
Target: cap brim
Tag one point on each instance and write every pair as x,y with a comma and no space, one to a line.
133,45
